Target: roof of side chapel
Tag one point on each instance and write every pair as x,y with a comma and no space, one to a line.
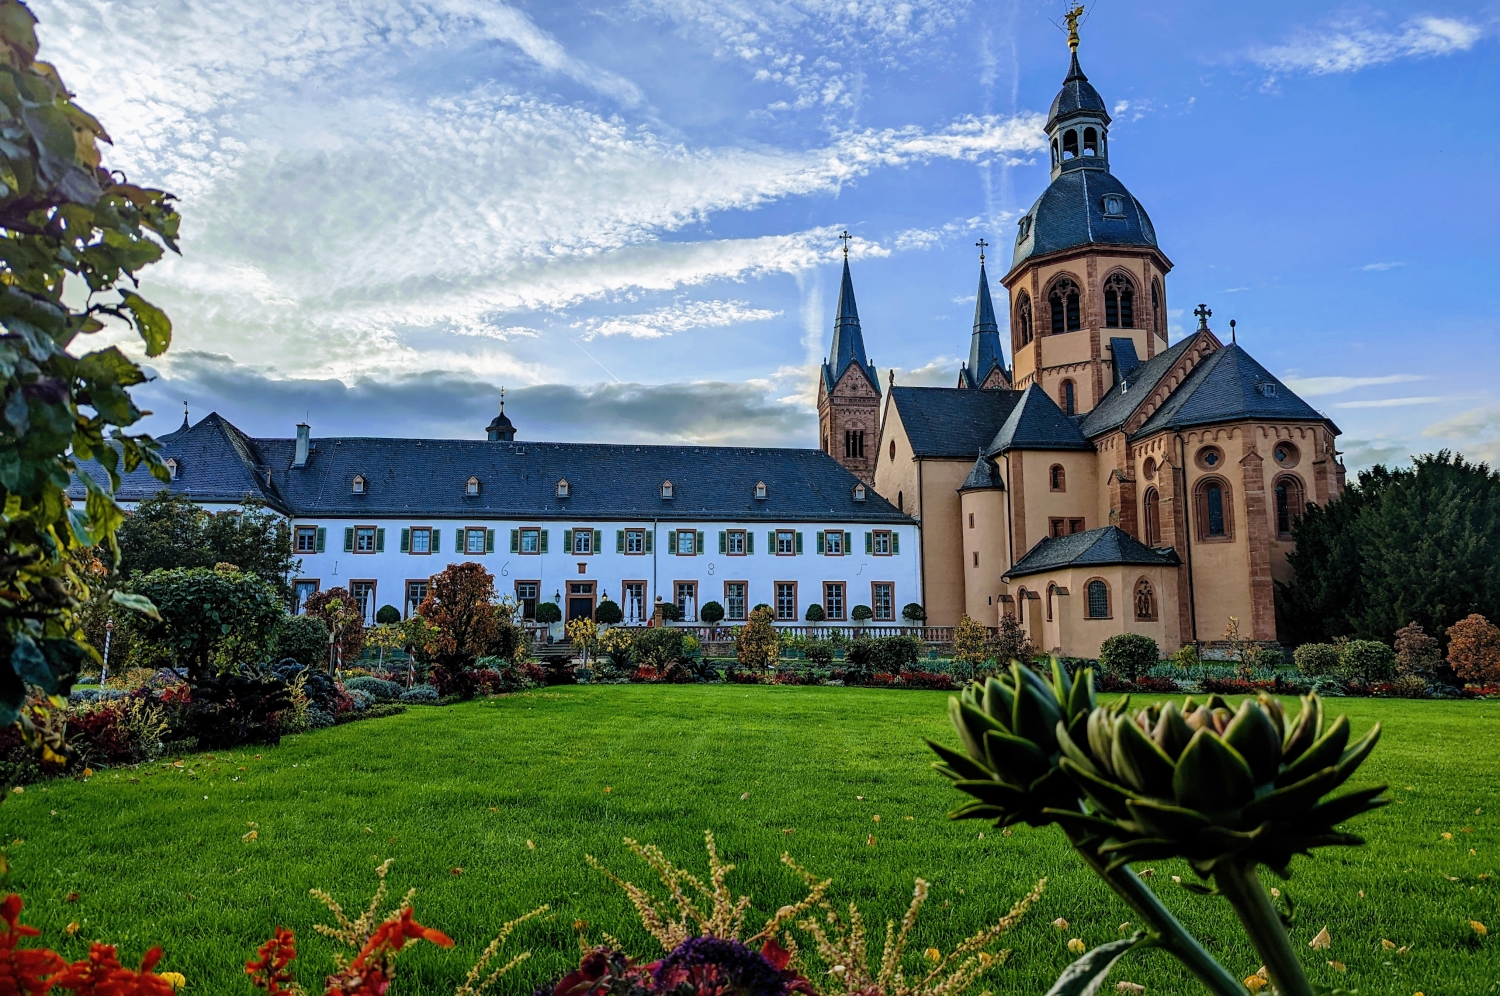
1036,423
1103,547
1228,385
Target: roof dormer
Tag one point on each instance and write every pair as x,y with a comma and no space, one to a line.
171,463
859,492
666,489
563,489
760,491
357,486
472,487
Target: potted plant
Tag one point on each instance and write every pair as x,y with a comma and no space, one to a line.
549,614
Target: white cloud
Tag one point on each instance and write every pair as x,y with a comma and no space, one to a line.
1476,430
1394,402
1313,386
1380,267
1350,46
678,317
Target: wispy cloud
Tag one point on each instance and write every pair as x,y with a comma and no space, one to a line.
1394,402
679,317
1477,431
1313,386
1379,267
1349,46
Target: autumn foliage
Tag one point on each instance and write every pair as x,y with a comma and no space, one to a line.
1474,649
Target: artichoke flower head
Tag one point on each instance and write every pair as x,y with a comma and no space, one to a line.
1206,783
1009,761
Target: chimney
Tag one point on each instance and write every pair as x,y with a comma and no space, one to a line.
304,432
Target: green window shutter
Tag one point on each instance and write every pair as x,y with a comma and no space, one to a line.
348,539
771,542
436,543
619,541
568,540
322,538
723,541
650,540
848,543
598,541
489,541
895,541
698,547
406,541
820,542
672,543
380,540
458,540
869,542
515,541
749,541
799,544
544,540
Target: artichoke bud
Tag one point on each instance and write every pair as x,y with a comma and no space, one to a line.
973,745
1101,739
1081,700
1139,761
1306,730
998,700
1211,776
1036,712
1274,712
1172,733
1257,739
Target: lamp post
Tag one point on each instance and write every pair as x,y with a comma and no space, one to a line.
109,631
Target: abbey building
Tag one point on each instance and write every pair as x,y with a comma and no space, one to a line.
1106,482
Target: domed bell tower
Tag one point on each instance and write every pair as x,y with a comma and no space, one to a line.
1087,281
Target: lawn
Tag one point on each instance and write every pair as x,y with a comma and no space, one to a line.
515,791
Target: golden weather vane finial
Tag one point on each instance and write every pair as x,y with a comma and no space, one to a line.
1073,17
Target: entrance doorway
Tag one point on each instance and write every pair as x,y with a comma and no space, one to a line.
580,600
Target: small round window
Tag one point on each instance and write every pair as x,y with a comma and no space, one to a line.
1210,458
1286,455
1148,469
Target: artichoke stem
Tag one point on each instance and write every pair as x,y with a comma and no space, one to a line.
1239,883
1171,934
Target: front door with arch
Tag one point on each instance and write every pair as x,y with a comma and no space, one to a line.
580,600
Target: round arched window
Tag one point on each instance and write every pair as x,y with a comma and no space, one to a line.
1148,469
1098,593
1286,455
1210,458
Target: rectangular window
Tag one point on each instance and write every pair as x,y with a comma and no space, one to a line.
854,443
364,596
1075,525
307,539
473,540
635,541
364,539
880,542
633,601
833,599
687,600
883,601
734,543
300,591
686,543
734,600
833,543
583,541
1056,527
527,593
416,594
421,539
531,541
786,601
786,543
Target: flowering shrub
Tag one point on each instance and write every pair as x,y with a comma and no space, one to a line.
118,731
33,971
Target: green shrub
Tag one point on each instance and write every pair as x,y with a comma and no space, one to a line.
1186,656
711,613
608,612
913,612
1314,659
815,613
387,615
548,613
894,654
659,646
1367,662
305,640
384,691
819,652
1266,658
1128,655
860,613
670,612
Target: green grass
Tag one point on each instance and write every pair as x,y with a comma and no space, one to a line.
161,859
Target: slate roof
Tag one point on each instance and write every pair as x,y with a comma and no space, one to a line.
1094,548
848,340
1115,407
427,477
1036,423
1123,357
1077,96
984,345
984,475
1070,213
948,422
1228,385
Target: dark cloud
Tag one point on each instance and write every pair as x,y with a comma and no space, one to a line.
445,405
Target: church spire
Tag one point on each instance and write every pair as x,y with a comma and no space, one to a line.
984,345
848,339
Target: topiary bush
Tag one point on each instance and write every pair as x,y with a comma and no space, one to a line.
609,612
815,613
1128,655
913,612
711,613
1366,662
894,654
1266,658
387,615
860,613
548,613
818,652
420,693
304,639
384,691
1315,659
670,612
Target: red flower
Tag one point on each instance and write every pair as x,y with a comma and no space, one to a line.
101,974
269,971
23,972
369,973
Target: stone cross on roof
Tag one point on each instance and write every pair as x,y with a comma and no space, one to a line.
1204,313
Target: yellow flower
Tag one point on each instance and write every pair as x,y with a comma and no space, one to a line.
1076,945
933,955
1479,928
176,979
88,772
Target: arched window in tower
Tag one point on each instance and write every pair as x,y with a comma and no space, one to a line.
1070,144
1057,480
1090,142
1023,317
1290,499
1067,398
1151,518
1158,318
1145,601
1054,152
1214,513
1062,300
1119,302
1098,595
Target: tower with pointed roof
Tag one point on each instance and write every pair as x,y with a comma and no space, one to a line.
1086,272
501,429
986,364
849,391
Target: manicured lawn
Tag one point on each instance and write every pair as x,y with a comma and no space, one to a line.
162,859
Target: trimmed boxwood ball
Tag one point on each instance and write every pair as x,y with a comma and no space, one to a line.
1313,659
387,614
1366,662
548,613
711,612
913,612
815,613
670,612
860,613
1128,655
304,639
760,605
608,612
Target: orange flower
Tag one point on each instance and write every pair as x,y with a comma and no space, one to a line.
101,974
269,971
23,972
392,936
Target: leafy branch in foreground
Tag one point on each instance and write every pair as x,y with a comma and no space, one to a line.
63,221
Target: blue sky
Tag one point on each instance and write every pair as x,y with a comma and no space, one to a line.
625,213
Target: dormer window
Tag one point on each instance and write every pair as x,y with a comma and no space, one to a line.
1024,225
358,487
666,489
1114,206
760,491
472,487
859,492
172,468
562,488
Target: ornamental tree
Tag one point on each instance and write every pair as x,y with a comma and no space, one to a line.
341,613
461,603
207,617
63,221
969,639
1474,649
168,530
1416,652
757,644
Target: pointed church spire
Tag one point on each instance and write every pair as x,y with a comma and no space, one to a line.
984,345
848,339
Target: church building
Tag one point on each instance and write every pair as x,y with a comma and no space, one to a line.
1107,482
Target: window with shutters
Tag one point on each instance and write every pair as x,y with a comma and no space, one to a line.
786,543
302,588
880,543
734,600
1098,598
583,541
686,543
786,601
364,539
421,540
734,542
883,601
833,542
307,539
416,594
363,593
635,541
531,541
527,593
474,540
833,599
